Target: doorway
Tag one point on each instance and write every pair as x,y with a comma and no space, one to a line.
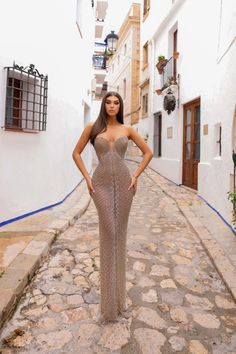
157,136
191,143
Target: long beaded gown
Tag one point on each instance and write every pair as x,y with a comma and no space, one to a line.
113,201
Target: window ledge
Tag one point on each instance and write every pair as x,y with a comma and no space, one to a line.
145,15
20,130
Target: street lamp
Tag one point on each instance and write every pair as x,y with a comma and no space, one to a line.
111,41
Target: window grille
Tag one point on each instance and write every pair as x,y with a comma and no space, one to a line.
26,99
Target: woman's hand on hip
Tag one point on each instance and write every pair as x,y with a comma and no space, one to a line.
133,184
90,186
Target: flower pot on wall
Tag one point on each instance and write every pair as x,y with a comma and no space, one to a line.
176,55
160,65
158,91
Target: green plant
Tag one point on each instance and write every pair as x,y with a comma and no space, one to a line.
161,57
165,86
170,81
232,197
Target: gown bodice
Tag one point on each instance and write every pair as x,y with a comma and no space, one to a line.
102,146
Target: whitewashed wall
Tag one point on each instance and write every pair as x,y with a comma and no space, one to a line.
37,170
148,27
207,66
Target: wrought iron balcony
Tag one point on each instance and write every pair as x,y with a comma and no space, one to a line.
169,75
99,61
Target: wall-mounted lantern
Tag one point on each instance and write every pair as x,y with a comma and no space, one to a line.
111,42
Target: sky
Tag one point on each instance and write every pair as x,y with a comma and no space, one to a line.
116,13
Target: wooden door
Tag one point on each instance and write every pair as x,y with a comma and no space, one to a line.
157,136
191,143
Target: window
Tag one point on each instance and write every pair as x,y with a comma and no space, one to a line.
125,49
26,99
146,7
13,103
218,133
157,134
124,86
145,54
175,35
145,104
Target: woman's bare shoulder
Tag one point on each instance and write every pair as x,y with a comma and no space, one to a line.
128,130
89,126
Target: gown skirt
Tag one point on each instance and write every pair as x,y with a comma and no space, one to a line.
113,201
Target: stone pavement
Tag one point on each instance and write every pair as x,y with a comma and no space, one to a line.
178,300
24,243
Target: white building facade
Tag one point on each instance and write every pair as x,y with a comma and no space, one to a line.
193,144
40,124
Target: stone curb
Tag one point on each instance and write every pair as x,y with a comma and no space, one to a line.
218,256
22,268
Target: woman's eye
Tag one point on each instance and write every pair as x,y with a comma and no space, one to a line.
116,103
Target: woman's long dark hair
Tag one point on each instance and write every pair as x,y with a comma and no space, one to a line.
100,123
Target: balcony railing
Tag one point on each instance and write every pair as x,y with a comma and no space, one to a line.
99,61
169,72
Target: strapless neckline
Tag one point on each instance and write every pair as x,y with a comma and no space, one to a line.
109,141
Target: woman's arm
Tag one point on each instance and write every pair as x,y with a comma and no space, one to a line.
82,142
147,152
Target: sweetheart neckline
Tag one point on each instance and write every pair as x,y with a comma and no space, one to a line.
101,137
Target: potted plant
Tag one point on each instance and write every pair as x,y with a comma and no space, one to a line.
176,55
232,198
172,80
161,57
158,91
162,61
232,193
165,86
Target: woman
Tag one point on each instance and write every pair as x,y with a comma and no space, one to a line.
112,189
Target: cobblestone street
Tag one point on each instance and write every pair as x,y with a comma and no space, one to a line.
178,301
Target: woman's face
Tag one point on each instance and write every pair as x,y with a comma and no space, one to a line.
112,105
